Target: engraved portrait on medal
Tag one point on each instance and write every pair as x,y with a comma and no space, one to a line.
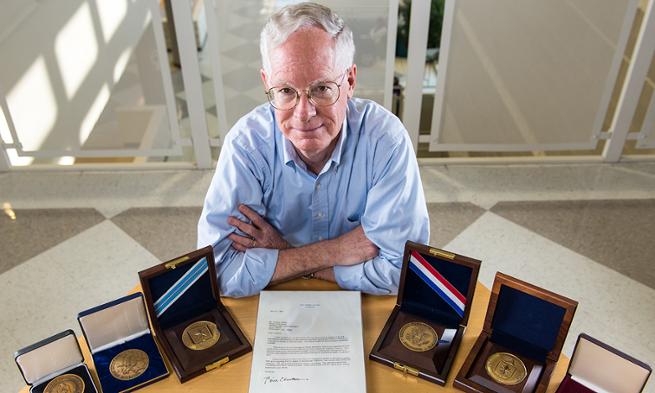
67,383
200,335
129,364
418,336
505,368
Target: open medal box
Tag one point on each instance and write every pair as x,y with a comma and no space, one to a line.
194,328
123,349
55,364
425,328
521,340
596,367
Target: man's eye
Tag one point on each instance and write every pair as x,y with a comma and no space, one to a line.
322,90
286,91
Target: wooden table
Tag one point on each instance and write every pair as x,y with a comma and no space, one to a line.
235,376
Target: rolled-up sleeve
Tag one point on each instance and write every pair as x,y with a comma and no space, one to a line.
395,212
239,179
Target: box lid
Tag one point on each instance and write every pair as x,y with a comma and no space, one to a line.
49,356
437,284
114,322
528,319
603,368
182,288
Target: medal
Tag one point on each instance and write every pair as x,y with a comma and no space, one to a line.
506,369
200,335
67,383
129,364
418,336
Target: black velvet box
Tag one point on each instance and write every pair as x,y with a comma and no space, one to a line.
55,360
113,328
435,295
596,367
524,331
183,302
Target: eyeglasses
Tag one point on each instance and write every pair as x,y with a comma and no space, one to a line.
325,93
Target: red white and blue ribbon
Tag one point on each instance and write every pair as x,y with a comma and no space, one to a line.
181,286
437,282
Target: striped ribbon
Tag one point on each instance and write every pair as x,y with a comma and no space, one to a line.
438,283
180,287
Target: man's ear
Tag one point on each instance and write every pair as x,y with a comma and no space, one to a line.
352,80
263,75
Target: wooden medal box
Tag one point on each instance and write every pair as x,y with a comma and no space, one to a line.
596,367
526,321
56,356
111,329
181,292
436,289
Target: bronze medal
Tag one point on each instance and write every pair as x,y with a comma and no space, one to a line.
129,364
67,383
200,335
418,336
506,369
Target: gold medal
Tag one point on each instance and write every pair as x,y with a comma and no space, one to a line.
200,335
418,336
129,364
506,369
67,383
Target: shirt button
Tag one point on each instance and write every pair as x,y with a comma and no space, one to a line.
318,185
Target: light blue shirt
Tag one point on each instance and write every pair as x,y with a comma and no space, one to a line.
372,179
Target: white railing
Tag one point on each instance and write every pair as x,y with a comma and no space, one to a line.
460,30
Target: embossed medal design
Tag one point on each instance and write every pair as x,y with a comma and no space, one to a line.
129,364
200,335
506,369
418,336
67,383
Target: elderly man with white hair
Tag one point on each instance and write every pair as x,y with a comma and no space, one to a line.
315,182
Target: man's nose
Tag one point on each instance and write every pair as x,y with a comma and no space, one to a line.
305,110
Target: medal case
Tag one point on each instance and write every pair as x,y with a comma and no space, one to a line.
48,359
596,367
117,326
181,292
526,321
419,300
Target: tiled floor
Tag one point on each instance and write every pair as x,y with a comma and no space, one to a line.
585,231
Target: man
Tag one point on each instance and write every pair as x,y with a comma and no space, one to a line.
315,182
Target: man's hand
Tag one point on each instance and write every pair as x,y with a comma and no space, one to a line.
261,233
353,247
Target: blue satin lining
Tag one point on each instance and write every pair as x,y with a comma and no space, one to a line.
156,367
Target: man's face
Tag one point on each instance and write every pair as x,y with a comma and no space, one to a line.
305,58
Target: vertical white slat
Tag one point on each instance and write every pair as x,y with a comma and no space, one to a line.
438,109
192,83
4,159
419,24
648,127
215,55
631,91
165,70
392,26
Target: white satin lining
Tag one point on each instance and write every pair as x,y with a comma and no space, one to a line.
50,359
605,372
115,325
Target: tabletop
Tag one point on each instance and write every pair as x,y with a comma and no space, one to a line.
234,377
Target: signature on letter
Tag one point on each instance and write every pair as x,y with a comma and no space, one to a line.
268,380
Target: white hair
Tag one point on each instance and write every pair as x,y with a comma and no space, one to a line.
292,18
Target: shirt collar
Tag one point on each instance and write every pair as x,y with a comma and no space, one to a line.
289,152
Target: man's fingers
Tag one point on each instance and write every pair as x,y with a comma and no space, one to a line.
243,226
242,241
239,247
252,215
